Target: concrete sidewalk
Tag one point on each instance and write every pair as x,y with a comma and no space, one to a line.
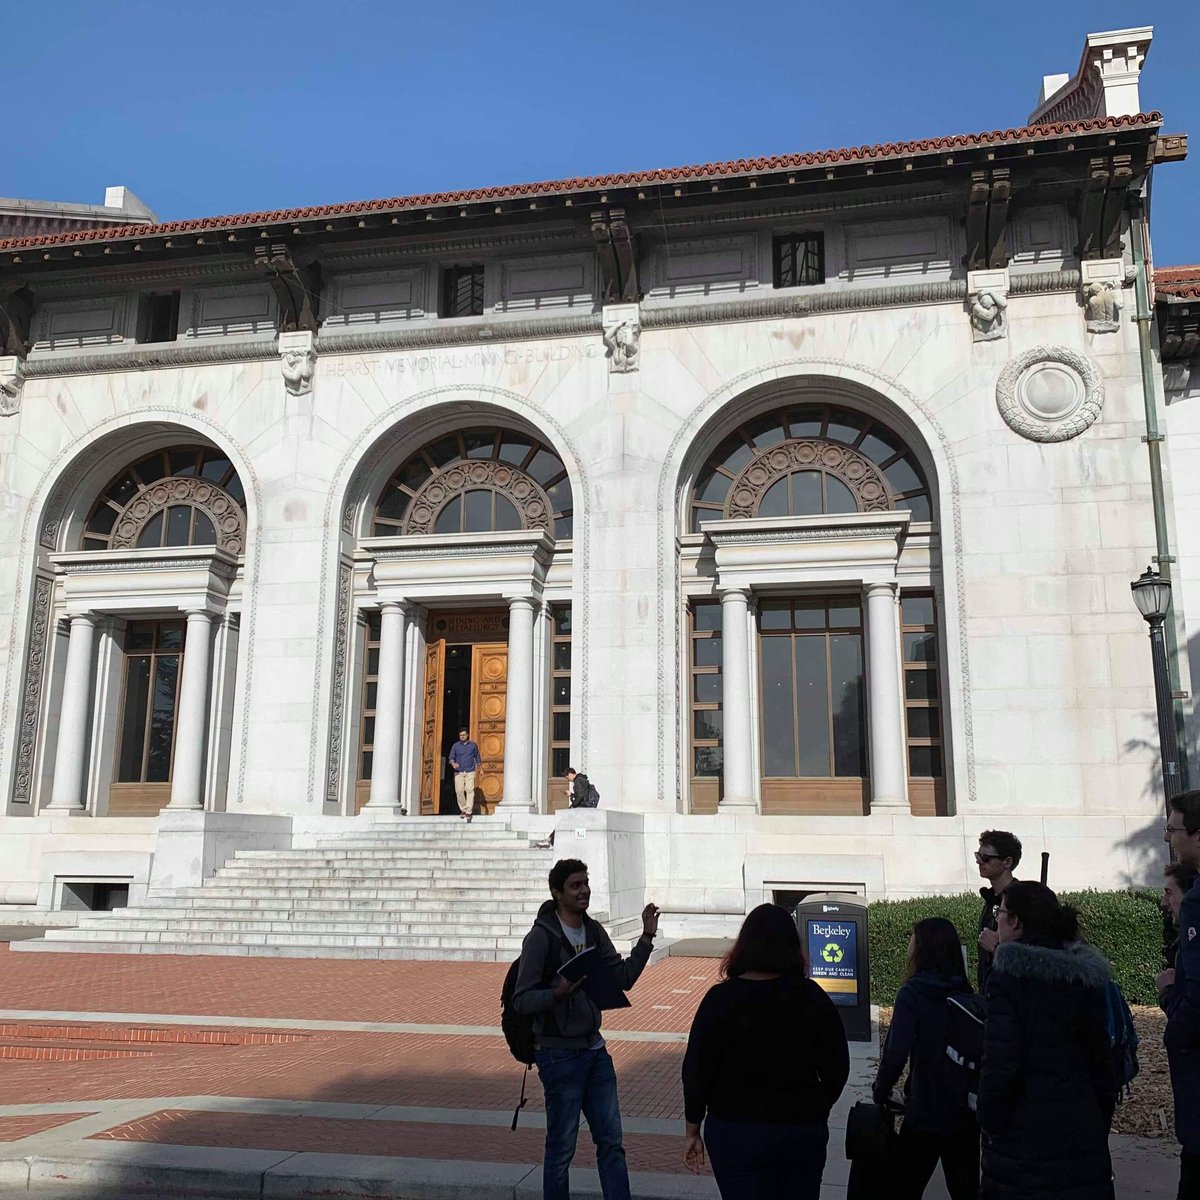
218,1079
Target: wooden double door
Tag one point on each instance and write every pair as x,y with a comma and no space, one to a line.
465,685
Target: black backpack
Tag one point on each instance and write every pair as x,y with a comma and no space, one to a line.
1122,1039
585,794
964,1047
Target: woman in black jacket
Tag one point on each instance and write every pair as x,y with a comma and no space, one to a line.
766,1061
1047,1087
937,1122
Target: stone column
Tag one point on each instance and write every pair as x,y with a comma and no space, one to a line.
885,713
191,720
389,708
70,763
736,706
518,706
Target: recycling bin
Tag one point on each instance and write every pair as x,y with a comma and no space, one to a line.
833,932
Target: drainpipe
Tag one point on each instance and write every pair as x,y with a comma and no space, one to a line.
1154,439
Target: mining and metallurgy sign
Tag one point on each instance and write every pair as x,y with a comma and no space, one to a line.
833,958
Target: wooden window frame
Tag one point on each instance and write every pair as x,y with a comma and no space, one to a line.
373,624
556,796
452,279
154,653
806,252
696,706
933,704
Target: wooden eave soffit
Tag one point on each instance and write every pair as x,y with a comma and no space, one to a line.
295,278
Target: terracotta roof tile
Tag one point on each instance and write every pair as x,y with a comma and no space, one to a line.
1183,282
591,183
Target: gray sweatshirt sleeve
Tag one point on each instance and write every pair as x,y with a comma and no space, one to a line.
626,971
531,995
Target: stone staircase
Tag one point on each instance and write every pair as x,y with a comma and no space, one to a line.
416,888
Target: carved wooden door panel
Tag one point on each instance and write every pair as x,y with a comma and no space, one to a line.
432,762
489,685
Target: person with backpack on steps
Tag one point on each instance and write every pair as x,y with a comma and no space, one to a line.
572,1060
938,1121
1048,1085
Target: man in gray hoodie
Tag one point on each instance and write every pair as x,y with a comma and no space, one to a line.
572,1060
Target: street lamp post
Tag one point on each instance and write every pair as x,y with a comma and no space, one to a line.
1152,595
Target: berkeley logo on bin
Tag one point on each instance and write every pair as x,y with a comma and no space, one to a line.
833,959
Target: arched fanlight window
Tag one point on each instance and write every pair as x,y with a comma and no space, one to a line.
809,460
477,481
180,496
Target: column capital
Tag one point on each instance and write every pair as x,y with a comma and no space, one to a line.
198,614
403,607
81,618
890,586
734,595
530,602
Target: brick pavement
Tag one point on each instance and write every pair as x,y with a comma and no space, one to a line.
13,1129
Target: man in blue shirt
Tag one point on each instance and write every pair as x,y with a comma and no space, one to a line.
464,761
1179,995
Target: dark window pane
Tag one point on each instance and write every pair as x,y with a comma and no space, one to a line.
843,428
806,494
916,610
707,689
123,490
203,533
233,485
925,762
733,454
920,647
774,502
514,449
903,478
806,423
779,726
179,525
444,451
810,614
766,431
920,685
562,656
216,466
414,472
151,535
706,724
139,635
562,727
812,706
162,719
373,661
367,763
560,494
103,519
133,719
706,617
560,760
507,516
477,510
479,444
374,623
564,528
170,635
846,692
368,731
151,468
562,619
707,760
372,692
775,614
94,543
879,446
562,690
183,462
712,486
917,505
706,652
844,614
544,466
450,518
838,497
394,504
922,723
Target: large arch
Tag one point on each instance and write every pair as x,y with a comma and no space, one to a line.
878,396
361,475
55,517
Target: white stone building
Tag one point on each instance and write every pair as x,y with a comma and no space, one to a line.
795,499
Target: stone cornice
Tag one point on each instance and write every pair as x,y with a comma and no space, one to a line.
496,330
172,558
737,532
567,238
141,358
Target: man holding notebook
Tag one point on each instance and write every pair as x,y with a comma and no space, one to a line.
573,1063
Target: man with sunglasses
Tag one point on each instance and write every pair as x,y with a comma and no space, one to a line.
997,857
1179,995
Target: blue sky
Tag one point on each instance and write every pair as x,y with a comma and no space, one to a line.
228,107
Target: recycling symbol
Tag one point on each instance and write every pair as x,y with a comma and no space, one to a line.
832,952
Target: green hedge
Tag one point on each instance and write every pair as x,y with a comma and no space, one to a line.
1126,927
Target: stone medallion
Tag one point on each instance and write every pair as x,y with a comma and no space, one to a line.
1050,394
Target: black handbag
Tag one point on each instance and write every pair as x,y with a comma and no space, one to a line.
870,1145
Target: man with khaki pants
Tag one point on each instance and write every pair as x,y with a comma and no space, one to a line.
464,760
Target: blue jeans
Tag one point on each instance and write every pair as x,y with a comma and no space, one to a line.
581,1081
766,1162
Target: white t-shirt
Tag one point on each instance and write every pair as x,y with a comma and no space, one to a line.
578,941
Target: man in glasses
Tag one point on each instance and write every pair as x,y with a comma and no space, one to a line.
997,857
1179,994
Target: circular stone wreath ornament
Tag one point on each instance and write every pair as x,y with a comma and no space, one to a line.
1050,394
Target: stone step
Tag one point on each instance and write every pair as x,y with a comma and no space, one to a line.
482,871
396,900
394,854
252,923
420,953
262,937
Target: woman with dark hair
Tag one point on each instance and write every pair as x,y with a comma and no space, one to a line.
766,1061
938,1125
1048,1086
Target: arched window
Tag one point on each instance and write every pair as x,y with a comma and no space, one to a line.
808,460
181,496
477,481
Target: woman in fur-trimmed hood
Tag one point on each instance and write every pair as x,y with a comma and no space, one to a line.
1047,1088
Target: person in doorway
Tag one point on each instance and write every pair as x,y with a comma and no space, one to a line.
997,857
572,1060
464,761
1047,1088
766,1060
938,1125
1179,995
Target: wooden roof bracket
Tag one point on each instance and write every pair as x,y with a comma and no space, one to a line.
296,282
16,315
1102,205
616,250
988,198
